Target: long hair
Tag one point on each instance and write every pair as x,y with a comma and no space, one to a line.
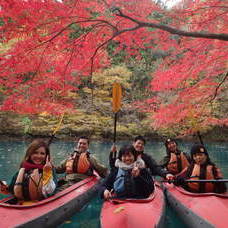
167,141
36,144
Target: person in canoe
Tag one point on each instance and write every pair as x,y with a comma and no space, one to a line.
201,168
139,145
80,164
175,161
129,178
36,177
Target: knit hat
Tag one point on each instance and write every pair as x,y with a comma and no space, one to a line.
169,140
198,148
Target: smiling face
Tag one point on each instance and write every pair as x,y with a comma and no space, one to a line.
172,147
83,145
139,145
200,158
128,158
38,157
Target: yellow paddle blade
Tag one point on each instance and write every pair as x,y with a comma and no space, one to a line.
119,209
58,125
28,203
116,97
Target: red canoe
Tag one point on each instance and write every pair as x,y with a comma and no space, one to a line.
49,212
198,209
133,213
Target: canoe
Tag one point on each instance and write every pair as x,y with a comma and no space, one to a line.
49,212
134,213
198,209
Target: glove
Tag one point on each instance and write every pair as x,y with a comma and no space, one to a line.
179,181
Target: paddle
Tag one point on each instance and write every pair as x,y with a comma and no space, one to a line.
199,181
56,129
200,137
116,103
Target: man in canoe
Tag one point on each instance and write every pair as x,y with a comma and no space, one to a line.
81,164
175,160
129,178
139,144
36,177
201,168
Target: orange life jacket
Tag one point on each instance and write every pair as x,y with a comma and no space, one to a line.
207,187
35,185
177,163
33,181
78,163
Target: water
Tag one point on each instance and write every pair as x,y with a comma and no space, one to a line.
12,152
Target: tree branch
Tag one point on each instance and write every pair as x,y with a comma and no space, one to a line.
219,85
218,36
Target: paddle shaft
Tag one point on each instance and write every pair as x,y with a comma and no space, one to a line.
199,181
208,181
115,121
200,137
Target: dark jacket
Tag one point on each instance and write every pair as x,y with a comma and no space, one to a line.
141,186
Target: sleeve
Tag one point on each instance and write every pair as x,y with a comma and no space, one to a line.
12,183
219,187
98,167
155,169
108,183
62,167
112,159
144,184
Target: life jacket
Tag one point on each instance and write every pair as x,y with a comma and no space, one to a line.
177,163
78,163
32,185
201,172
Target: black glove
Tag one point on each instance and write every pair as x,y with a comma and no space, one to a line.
179,181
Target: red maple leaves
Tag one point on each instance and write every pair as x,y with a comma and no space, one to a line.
55,43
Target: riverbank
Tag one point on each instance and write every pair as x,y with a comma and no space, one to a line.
91,124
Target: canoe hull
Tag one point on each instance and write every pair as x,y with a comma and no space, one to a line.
132,214
51,211
203,210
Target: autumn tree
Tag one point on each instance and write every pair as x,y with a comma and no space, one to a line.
57,43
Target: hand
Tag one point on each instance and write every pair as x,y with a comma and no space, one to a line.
170,177
179,180
48,165
107,194
113,148
135,172
3,187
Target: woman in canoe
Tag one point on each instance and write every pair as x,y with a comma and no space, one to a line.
175,161
129,178
35,179
150,163
201,168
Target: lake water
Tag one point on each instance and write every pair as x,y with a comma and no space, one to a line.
12,152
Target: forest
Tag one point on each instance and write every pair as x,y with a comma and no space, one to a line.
61,58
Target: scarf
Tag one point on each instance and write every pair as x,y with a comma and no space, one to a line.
28,166
138,163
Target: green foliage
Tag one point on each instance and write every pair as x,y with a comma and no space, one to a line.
27,122
77,31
